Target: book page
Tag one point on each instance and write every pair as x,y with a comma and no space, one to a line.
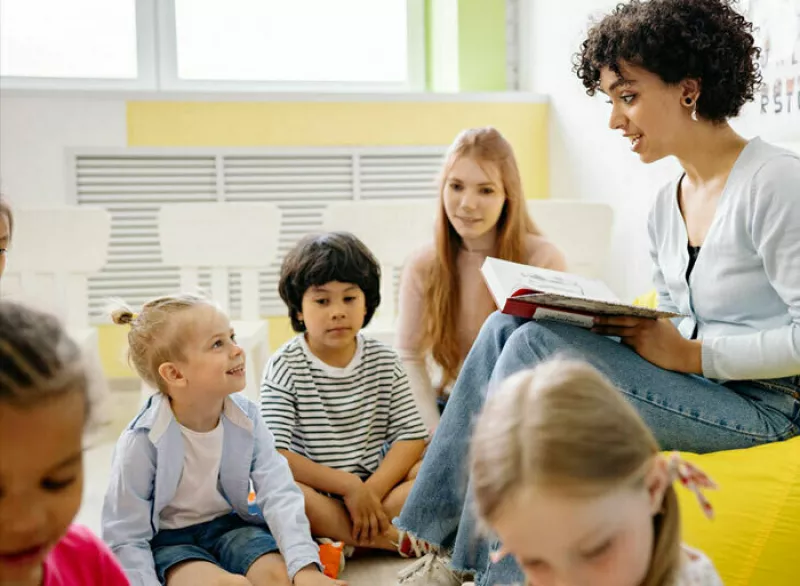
548,281
557,291
504,278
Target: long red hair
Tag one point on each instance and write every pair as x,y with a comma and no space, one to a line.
486,146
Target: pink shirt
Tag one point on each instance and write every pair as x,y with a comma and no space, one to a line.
81,559
476,304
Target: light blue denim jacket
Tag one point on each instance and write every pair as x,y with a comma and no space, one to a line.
147,465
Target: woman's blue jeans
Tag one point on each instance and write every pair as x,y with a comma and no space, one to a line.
686,412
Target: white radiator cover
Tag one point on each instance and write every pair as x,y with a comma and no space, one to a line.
133,183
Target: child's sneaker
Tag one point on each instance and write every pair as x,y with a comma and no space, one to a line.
333,554
409,546
429,570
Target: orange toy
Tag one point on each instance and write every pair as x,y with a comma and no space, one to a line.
332,557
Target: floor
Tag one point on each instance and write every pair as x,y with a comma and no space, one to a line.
379,571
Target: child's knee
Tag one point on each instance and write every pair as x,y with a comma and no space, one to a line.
269,570
270,578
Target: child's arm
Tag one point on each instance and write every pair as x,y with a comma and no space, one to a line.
127,508
278,409
280,414
319,476
281,502
400,458
362,502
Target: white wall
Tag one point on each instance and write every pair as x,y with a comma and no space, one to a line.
587,160
36,131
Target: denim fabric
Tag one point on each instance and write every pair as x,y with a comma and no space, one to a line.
229,542
685,412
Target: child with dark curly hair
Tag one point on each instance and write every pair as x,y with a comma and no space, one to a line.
338,402
725,242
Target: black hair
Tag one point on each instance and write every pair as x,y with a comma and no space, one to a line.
38,360
320,259
706,40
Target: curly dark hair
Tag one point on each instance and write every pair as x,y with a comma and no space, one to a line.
38,360
320,259
706,40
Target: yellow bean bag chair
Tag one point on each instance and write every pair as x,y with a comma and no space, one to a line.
754,539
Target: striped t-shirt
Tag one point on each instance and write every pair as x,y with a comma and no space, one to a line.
343,418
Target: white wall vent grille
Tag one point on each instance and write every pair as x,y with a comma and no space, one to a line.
133,183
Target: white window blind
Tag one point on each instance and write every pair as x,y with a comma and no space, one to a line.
132,184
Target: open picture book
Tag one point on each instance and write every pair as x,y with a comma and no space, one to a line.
535,293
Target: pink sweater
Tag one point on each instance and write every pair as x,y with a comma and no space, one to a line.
476,305
81,559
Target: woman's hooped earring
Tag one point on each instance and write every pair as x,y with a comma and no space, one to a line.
693,115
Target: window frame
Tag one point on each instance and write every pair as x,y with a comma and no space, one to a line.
170,82
146,79
158,66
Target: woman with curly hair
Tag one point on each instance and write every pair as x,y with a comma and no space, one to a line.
725,243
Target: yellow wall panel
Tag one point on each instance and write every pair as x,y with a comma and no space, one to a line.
113,340
280,332
242,124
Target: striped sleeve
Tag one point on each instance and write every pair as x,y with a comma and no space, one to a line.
405,422
278,401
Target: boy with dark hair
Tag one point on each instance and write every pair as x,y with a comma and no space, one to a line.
339,403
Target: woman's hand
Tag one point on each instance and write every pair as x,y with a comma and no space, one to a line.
366,512
656,340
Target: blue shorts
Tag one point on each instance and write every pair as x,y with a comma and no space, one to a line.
229,542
